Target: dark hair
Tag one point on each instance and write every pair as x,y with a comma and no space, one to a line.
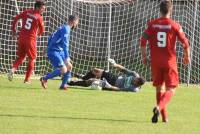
165,6
72,18
141,81
38,4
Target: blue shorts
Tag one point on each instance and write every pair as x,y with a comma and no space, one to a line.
56,58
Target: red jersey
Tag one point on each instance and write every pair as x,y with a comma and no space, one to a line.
32,24
161,34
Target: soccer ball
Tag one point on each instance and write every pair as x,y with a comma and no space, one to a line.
96,85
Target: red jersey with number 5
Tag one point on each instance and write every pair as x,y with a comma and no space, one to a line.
32,24
161,34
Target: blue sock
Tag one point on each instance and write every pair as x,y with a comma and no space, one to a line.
66,78
52,74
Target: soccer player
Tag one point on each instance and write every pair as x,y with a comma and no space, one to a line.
32,26
58,53
129,81
161,34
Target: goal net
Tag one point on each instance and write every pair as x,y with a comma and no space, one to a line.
107,29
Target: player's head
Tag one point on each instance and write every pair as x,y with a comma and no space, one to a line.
40,6
165,7
138,82
73,21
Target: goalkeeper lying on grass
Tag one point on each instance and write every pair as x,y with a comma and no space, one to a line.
128,81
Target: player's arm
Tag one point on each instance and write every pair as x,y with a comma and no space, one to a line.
15,20
143,43
185,44
112,88
64,38
125,70
107,86
41,26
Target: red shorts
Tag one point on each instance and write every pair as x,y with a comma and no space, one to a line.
167,75
27,47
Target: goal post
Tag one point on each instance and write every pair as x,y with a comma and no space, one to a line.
107,29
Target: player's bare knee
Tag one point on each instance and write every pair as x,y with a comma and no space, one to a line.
69,67
63,70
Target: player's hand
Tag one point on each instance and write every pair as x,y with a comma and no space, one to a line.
186,60
145,61
104,84
112,61
14,35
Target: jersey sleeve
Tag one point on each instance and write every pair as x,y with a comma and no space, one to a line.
129,72
41,26
145,36
16,18
65,40
181,36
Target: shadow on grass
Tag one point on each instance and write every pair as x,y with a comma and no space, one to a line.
18,87
69,118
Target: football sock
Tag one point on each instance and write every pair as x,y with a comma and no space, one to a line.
17,62
53,74
165,99
29,69
66,78
163,112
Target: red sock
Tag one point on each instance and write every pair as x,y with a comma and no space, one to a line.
29,69
163,112
17,62
165,99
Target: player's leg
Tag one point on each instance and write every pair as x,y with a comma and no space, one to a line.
171,82
21,54
31,51
51,75
66,74
57,62
55,73
158,82
83,83
159,96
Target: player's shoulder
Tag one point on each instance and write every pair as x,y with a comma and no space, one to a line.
175,23
66,28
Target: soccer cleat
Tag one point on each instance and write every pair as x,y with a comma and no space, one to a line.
27,82
165,120
65,87
10,75
156,113
43,83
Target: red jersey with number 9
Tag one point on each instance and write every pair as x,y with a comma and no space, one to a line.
161,34
32,24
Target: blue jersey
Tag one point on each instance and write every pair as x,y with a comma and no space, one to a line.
59,41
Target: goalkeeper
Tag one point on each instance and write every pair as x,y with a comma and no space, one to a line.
128,81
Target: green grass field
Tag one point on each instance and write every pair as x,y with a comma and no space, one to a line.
28,109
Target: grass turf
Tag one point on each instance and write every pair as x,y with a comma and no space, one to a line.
28,109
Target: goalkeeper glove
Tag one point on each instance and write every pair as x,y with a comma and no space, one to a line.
112,61
104,84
